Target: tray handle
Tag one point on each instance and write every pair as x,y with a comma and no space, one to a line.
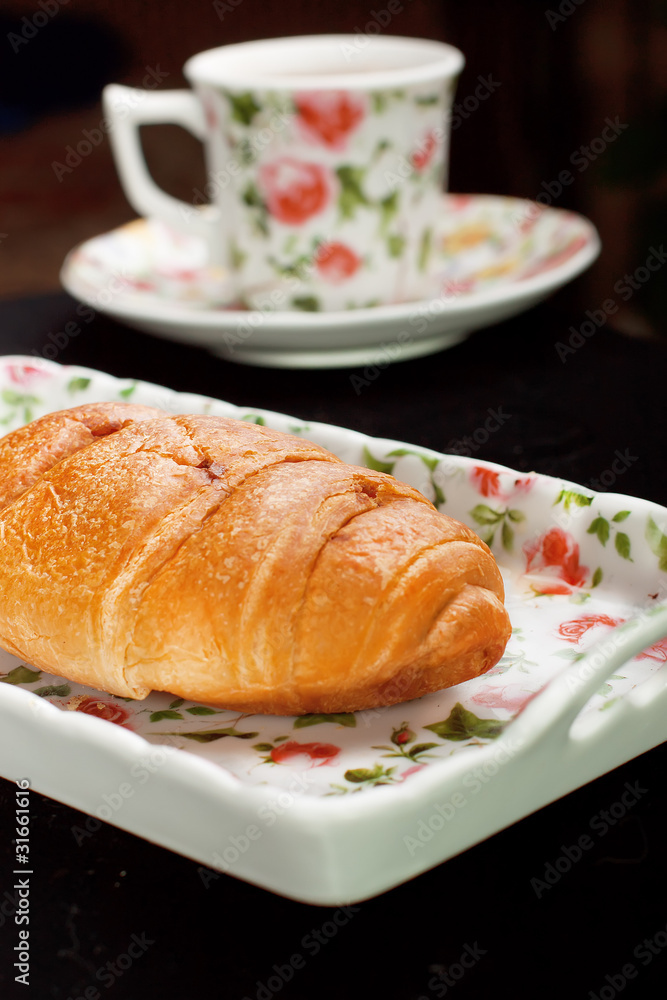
553,711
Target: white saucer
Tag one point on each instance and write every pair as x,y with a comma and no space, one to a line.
496,257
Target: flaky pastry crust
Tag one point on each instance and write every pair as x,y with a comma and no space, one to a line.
232,564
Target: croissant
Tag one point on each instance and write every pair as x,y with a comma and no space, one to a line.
228,563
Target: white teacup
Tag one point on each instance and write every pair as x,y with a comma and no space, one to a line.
326,161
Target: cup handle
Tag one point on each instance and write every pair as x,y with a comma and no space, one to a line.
128,108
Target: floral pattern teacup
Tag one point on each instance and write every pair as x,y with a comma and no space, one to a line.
327,157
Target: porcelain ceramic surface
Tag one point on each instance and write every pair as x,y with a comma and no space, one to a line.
491,258
580,689
325,163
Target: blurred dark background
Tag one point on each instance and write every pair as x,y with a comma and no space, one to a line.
563,70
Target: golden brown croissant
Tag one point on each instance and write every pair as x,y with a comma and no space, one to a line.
232,564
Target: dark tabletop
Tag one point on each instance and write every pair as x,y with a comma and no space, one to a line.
478,925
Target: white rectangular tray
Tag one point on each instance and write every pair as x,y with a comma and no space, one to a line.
334,809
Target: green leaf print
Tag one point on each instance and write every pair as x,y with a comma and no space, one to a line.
258,210
430,463
377,775
388,210
395,245
507,535
237,257
19,399
600,526
77,385
622,543
209,735
167,713
21,675
57,690
306,303
374,463
244,107
657,542
339,718
569,497
464,725
425,248
491,519
483,514
351,195
621,516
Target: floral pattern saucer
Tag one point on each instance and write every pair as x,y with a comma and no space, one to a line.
491,257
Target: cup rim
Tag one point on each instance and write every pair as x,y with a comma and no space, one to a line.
220,67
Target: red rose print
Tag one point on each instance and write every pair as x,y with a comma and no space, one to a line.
294,191
557,554
486,481
335,262
453,287
658,651
108,710
458,202
210,113
422,156
578,627
510,696
411,770
524,484
317,753
23,374
329,117
555,259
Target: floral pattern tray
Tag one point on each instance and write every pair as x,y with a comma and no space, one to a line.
583,571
